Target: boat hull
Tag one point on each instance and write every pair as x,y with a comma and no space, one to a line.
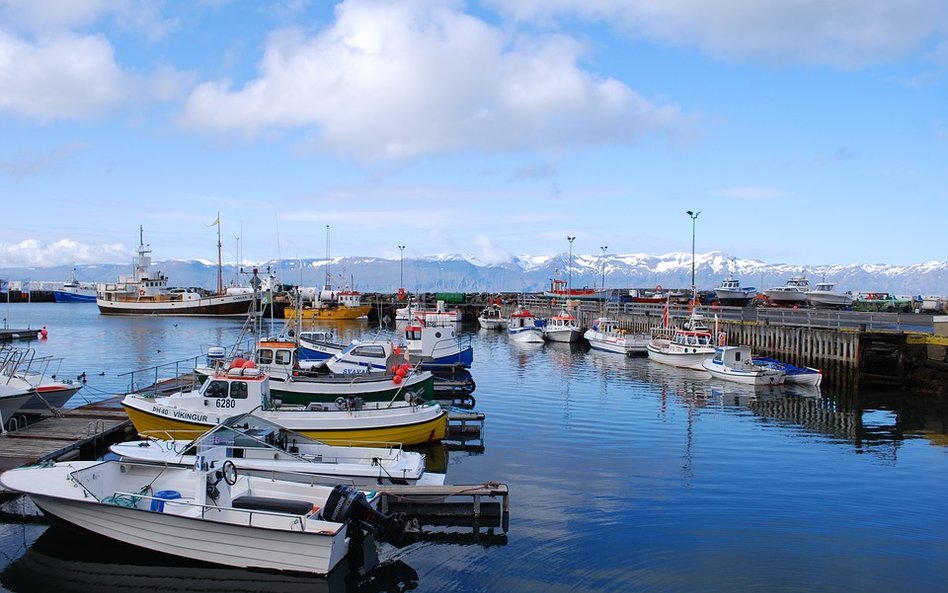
493,324
328,313
50,398
335,427
829,300
561,334
206,539
218,306
680,359
526,335
62,296
753,377
300,391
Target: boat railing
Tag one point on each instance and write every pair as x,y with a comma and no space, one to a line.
801,317
172,376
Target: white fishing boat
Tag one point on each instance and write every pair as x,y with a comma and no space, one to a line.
734,363
606,335
437,315
825,296
293,385
245,389
208,512
686,347
731,293
147,293
492,317
561,327
424,347
523,326
317,345
263,448
792,293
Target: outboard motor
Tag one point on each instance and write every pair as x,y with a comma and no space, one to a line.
346,503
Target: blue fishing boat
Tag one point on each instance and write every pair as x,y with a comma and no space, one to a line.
792,373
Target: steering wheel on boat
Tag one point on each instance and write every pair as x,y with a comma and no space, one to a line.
229,472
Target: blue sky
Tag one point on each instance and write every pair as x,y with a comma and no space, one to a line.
805,131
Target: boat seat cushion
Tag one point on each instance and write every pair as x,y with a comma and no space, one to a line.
276,505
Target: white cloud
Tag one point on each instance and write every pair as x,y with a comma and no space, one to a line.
67,76
34,253
839,33
397,80
43,17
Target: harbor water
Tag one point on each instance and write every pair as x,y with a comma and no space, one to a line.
624,476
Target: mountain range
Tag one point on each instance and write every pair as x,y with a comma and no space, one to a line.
458,273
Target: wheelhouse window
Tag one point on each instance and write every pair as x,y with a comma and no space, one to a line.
216,389
238,390
284,357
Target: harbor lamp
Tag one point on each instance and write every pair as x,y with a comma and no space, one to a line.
602,266
401,266
569,282
694,217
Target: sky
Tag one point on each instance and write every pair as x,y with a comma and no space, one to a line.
803,131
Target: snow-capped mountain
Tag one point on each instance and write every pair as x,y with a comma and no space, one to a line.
525,273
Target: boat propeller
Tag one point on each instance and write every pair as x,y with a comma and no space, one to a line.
347,503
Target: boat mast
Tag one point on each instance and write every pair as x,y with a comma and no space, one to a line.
328,285
220,263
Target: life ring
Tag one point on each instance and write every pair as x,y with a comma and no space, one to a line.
722,338
141,292
658,288
553,302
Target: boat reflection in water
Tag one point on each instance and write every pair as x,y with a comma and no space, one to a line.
66,561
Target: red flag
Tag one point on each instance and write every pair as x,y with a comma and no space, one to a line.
665,315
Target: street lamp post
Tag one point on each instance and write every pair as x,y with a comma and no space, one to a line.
569,282
401,268
602,266
694,217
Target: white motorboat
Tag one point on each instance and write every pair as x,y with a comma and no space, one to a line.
263,448
11,400
208,512
20,368
561,327
605,334
792,293
735,363
731,293
685,347
522,326
247,390
492,318
825,296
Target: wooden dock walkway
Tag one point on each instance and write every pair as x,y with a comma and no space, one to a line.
65,435
8,335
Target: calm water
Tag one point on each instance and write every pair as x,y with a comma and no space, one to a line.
624,475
